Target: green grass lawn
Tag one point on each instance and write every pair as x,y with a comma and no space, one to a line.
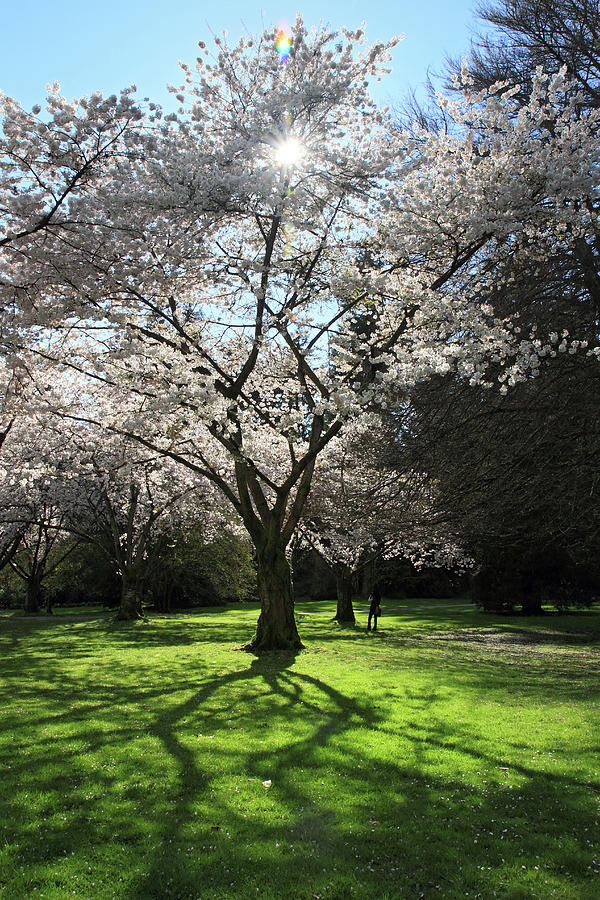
450,754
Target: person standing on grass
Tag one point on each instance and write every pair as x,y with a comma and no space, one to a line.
374,607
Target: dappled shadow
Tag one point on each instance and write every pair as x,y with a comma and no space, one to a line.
255,765
313,829
500,638
212,829
368,844
56,635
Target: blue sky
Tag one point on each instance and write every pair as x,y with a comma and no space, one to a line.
109,44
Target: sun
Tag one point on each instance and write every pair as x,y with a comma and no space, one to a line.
289,152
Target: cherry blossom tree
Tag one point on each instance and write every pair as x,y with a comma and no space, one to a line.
11,387
49,159
359,506
129,501
217,268
37,493
27,455
370,500
42,547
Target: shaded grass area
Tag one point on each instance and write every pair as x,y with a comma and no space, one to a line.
449,753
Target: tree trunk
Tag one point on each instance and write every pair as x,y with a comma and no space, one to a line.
531,605
531,598
276,628
131,602
32,596
343,583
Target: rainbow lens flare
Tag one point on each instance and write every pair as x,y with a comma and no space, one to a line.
283,42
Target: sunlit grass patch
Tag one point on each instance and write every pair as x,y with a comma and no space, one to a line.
448,754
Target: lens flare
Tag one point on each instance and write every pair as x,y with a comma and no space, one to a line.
283,41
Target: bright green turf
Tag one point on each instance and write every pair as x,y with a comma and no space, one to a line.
428,760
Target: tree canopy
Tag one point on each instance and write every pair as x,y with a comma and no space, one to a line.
196,278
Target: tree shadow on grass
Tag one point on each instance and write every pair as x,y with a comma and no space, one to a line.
315,845
429,626
374,823
286,701
83,637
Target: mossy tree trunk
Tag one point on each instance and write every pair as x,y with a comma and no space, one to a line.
271,513
131,601
33,594
126,544
344,584
276,628
33,563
